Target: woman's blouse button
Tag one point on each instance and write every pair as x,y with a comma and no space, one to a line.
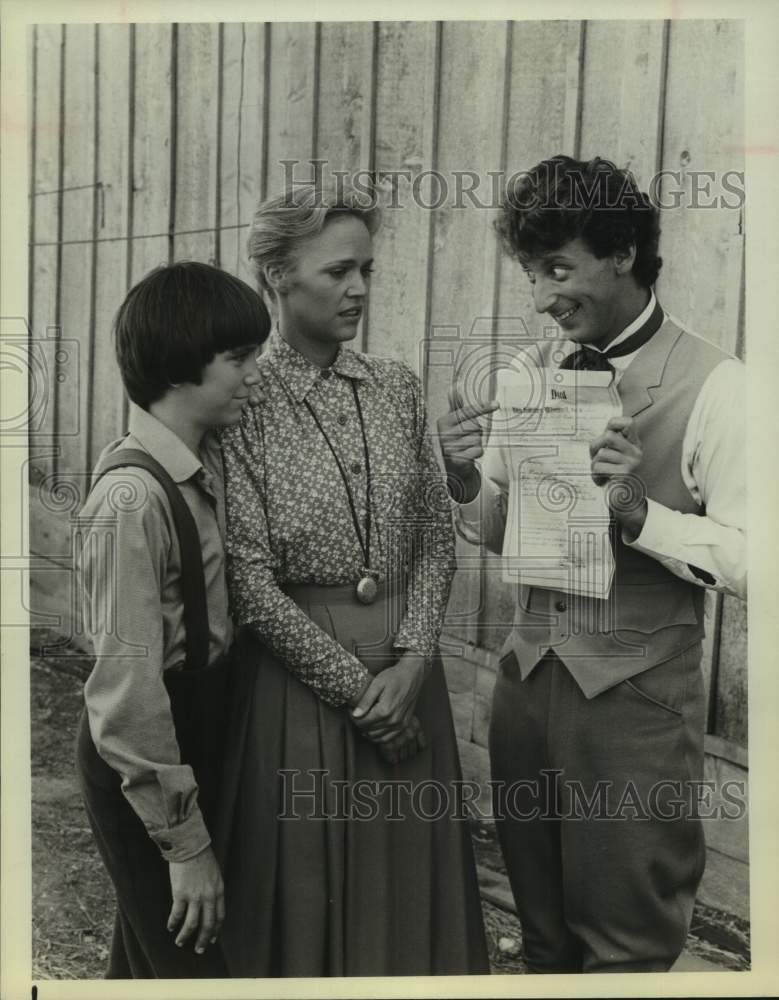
343,419
356,468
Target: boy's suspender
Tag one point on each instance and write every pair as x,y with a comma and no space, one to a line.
193,585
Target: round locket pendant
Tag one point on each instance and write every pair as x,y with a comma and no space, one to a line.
367,589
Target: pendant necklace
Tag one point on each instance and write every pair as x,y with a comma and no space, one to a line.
366,587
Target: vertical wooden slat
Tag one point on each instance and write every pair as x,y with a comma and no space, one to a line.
730,720
703,252
219,150
496,610
702,246
131,120
712,613
622,84
405,127
112,227
576,34
539,106
77,233
316,75
174,139
46,193
96,205
32,81
292,125
344,96
422,197
243,139
541,116
345,107
151,168
197,142
470,138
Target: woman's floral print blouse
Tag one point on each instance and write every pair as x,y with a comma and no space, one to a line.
288,516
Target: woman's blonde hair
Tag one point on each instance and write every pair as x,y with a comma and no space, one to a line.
283,223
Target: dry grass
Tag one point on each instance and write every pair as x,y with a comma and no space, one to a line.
73,902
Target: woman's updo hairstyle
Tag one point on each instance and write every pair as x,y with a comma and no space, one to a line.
282,224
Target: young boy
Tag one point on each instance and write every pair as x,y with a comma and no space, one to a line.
152,569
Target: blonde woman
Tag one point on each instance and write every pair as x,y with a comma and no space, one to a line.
349,853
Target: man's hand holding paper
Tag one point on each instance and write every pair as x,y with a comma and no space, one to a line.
557,526
462,433
616,457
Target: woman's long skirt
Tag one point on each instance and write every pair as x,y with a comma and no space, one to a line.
339,863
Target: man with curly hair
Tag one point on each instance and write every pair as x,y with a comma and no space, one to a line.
596,738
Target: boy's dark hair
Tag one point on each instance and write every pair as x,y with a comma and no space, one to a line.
176,319
562,199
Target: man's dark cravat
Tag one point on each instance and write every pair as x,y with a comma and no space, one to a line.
588,359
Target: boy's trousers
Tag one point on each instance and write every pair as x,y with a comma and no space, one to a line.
142,946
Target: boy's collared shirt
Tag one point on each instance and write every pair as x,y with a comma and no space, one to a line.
130,565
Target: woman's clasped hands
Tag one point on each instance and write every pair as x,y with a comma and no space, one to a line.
385,710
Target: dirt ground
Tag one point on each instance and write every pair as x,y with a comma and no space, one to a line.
72,897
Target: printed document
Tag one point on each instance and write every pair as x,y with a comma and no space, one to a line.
557,524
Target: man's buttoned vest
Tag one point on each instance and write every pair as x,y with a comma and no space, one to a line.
651,614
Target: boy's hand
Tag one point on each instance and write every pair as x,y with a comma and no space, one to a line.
198,899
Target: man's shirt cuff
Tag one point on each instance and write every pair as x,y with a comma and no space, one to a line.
660,532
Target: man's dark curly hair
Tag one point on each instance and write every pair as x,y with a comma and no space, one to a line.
561,199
